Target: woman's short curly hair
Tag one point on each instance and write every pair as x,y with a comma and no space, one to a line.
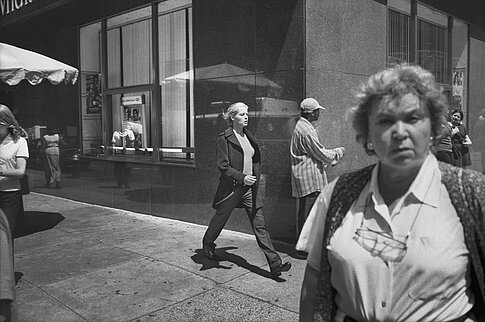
395,82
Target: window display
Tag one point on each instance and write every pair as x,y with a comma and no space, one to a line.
133,109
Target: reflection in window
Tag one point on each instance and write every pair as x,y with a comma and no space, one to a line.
129,49
431,41
131,124
91,89
398,37
432,46
176,78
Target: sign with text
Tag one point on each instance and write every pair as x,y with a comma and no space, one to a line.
9,6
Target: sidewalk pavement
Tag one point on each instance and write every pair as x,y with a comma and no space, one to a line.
82,262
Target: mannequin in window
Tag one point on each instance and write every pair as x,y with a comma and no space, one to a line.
127,136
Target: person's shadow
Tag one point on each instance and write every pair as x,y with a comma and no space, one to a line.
206,263
31,222
34,221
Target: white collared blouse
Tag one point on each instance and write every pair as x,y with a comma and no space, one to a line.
431,282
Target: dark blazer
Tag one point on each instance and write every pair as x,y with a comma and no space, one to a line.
230,163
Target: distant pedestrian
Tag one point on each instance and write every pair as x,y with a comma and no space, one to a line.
239,161
444,148
309,158
50,143
461,154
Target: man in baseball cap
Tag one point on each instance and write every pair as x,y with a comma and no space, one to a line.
308,161
309,105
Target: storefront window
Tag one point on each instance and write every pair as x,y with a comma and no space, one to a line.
398,37
432,43
176,79
129,68
91,89
130,113
129,89
431,38
129,49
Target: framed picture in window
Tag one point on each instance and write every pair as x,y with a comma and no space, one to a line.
94,99
459,78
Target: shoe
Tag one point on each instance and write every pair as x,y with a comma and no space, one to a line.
211,254
300,254
281,268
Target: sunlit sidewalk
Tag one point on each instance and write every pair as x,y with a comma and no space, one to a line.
82,262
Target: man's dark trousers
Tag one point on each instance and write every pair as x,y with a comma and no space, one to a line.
305,204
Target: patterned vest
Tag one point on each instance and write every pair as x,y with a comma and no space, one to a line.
467,193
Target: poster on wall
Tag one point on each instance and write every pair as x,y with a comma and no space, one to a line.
458,89
93,94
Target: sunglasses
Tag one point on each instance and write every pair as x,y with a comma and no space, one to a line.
389,247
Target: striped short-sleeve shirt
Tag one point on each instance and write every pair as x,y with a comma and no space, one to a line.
308,160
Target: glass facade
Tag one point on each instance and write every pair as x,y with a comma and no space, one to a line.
163,85
199,73
176,80
427,46
398,40
432,43
433,50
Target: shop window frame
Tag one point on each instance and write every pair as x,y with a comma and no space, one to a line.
155,154
414,12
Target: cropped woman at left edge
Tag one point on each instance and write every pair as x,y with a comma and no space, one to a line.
14,153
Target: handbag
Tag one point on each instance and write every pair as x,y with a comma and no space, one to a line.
467,140
24,185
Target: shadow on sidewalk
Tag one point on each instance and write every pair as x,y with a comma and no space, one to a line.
159,195
206,263
34,221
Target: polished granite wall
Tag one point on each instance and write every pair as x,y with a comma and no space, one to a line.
346,42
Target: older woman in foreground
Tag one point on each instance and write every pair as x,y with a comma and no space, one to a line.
401,240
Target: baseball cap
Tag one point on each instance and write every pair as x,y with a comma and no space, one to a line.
309,105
